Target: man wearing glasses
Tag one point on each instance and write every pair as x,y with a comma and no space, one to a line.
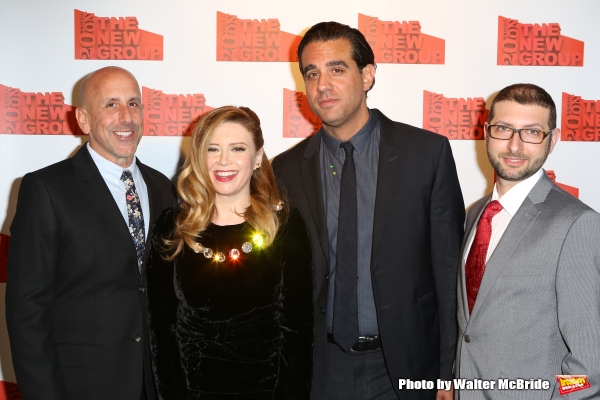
529,283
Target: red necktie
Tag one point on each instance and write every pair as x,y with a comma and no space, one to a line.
475,265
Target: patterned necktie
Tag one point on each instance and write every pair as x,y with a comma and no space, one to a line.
345,303
136,218
475,265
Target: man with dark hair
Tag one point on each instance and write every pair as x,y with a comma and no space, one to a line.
528,288
75,289
384,208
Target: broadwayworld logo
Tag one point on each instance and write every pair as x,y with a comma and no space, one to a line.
112,38
580,119
298,119
536,45
28,113
254,40
455,118
401,42
171,114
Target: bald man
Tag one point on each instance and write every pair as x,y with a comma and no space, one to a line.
75,293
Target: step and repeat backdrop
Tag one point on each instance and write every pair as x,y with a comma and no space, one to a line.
439,65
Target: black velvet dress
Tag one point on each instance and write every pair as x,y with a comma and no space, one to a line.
238,329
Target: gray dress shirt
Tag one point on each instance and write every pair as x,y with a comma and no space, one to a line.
366,159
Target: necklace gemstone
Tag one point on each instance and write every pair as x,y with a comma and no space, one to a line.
234,253
246,247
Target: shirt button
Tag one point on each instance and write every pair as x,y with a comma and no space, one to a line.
136,338
322,310
142,289
467,338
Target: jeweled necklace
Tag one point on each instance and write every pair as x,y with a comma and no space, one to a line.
234,253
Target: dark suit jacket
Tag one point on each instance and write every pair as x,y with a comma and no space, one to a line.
75,301
417,232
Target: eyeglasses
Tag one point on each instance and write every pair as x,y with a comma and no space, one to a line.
527,135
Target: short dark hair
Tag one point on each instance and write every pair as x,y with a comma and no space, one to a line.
362,53
526,94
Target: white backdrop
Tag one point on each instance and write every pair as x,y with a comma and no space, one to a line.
37,48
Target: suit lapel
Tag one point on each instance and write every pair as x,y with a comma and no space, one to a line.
101,200
471,225
154,197
390,162
310,172
518,227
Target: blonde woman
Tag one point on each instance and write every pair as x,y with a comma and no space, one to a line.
230,274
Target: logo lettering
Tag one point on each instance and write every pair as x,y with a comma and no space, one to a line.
256,40
536,45
455,118
171,114
580,120
298,119
402,42
114,38
25,113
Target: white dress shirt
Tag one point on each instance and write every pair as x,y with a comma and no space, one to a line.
511,201
111,173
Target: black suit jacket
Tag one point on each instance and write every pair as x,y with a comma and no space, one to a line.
75,301
417,232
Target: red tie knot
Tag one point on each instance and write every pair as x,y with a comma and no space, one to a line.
493,208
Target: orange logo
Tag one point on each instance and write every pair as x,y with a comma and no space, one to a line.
36,113
171,114
401,42
4,242
536,45
458,119
573,191
112,38
298,119
9,391
254,40
580,119
572,383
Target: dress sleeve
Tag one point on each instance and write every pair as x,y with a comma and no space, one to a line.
162,313
295,311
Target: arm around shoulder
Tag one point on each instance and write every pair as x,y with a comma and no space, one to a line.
162,313
296,311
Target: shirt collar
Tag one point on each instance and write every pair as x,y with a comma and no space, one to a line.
109,169
359,141
512,200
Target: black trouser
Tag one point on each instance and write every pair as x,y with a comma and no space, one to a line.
356,376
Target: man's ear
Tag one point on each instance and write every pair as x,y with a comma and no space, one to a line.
368,74
555,136
82,120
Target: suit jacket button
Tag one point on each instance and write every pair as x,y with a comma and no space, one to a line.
142,289
467,338
136,338
322,310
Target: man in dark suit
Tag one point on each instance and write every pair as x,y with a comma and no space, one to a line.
384,208
75,294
